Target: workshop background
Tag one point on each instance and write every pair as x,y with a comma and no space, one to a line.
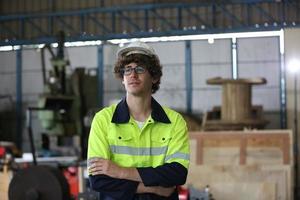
230,67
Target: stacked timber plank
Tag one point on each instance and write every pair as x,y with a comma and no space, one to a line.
243,165
5,177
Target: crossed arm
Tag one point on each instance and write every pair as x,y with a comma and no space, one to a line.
123,183
160,181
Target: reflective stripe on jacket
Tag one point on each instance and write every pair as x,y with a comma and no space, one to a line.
116,136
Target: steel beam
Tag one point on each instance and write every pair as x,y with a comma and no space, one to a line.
149,20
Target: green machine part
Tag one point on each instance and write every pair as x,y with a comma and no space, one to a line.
64,113
57,118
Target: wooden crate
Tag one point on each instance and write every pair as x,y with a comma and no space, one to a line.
243,164
5,177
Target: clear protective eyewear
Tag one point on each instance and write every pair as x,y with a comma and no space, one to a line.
138,70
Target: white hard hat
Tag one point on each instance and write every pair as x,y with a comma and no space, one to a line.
136,48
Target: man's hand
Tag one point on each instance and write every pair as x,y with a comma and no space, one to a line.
164,191
98,166
158,190
102,166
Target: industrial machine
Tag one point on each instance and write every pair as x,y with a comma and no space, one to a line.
66,99
57,99
33,184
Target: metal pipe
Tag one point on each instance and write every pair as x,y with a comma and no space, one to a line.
100,73
188,76
30,132
19,94
296,136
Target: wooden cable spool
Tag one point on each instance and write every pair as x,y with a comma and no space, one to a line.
236,97
236,111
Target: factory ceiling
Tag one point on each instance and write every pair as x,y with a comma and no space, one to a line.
147,20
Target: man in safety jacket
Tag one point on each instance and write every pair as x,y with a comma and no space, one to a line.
138,149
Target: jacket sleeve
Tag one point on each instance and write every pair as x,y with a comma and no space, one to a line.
175,169
167,175
114,188
98,147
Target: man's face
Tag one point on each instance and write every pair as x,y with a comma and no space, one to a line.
137,80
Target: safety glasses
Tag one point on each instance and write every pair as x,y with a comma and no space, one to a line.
138,70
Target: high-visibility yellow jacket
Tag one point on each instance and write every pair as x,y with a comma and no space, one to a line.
160,147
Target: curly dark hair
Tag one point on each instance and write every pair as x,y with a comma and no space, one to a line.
151,63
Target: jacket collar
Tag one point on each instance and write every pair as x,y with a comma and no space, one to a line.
121,114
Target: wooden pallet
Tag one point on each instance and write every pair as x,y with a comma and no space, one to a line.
243,164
